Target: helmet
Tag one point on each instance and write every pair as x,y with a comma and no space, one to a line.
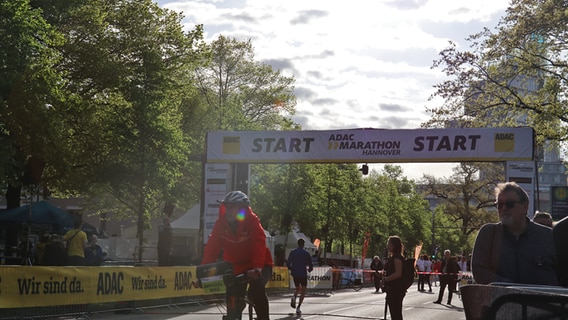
236,197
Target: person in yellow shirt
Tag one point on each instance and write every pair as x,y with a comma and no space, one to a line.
76,241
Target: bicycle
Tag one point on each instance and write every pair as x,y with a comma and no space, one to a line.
352,282
235,299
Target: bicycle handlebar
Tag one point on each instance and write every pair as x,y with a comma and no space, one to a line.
250,275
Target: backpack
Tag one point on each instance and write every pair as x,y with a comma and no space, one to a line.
408,273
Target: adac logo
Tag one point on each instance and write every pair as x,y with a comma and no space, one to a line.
504,142
231,145
560,193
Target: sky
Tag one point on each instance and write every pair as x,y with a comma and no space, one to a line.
356,64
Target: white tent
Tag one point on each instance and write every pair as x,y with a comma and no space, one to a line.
291,242
188,224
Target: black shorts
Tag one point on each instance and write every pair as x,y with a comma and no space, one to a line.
301,281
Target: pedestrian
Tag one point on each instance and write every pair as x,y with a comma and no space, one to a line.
316,260
93,252
165,243
560,234
543,218
420,272
463,264
55,252
436,267
238,234
392,282
428,271
449,277
516,249
377,267
40,248
299,263
76,242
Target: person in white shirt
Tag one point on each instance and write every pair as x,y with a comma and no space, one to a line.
463,264
420,270
427,269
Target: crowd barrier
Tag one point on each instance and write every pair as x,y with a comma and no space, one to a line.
35,291
36,286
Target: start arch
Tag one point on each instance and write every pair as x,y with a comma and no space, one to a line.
228,150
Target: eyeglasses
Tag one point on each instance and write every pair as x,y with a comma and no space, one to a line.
508,204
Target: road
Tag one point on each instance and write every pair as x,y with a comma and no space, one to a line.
342,304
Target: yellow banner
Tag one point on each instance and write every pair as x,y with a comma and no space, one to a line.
27,286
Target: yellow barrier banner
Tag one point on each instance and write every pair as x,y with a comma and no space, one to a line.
280,278
319,278
31,286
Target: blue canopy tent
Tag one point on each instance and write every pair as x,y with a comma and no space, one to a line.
44,213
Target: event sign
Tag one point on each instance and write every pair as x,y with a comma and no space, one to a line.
524,174
217,177
559,197
371,145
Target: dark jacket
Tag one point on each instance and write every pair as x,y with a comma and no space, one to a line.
449,270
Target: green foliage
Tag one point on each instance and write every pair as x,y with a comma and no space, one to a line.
239,93
466,202
28,87
336,204
515,75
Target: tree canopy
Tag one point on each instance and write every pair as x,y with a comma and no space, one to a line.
513,75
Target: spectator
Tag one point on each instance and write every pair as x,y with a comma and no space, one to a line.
93,253
428,271
316,260
560,234
299,263
393,279
240,236
463,264
420,271
54,254
164,243
76,240
436,268
516,249
40,248
448,277
377,267
543,218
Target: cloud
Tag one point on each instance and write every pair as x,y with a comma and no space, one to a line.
354,66
391,107
406,4
305,17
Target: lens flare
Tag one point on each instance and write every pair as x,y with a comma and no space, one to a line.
241,214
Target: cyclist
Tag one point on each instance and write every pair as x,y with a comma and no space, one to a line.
240,236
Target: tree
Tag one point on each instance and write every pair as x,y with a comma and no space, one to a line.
242,94
124,71
467,200
29,88
515,76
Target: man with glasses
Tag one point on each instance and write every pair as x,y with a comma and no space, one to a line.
516,249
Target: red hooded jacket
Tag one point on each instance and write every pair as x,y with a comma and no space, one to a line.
245,249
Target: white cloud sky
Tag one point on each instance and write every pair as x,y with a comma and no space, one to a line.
357,64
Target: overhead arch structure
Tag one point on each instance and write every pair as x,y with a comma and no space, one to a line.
371,145
227,150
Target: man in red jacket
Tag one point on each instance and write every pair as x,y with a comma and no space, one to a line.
239,234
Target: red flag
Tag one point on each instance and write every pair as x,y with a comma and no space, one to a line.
365,246
317,243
